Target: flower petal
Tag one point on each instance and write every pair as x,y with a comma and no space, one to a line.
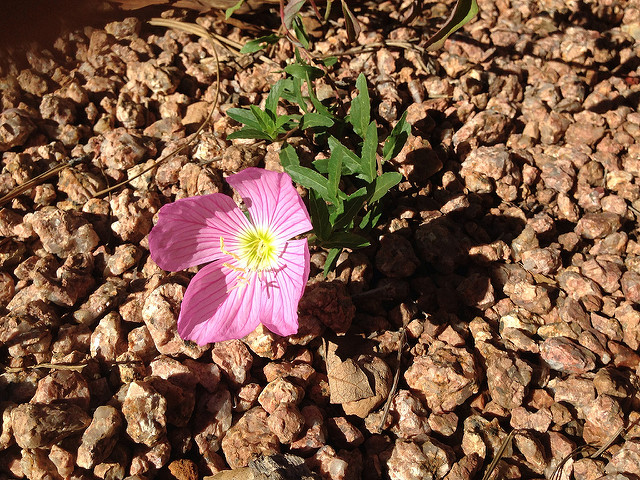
282,289
188,231
272,201
220,304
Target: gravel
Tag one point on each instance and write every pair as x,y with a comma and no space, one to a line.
506,268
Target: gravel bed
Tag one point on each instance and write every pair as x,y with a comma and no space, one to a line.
503,285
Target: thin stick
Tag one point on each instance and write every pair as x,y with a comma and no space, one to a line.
396,379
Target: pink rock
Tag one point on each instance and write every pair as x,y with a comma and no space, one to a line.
343,433
334,465
212,419
564,355
108,339
286,422
63,386
315,434
39,425
409,416
280,392
234,359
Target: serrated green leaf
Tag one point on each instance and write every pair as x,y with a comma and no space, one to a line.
330,262
259,43
369,148
383,183
345,240
301,71
314,119
244,116
248,132
311,180
288,157
463,12
319,215
229,11
360,114
396,139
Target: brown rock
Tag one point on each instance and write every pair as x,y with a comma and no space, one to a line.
329,304
145,411
396,258
445,377
212,419
280,392
63,386
39,426
409,417
597,225
564,355
626,460
315,434
605,417
286,422
100,437
249,438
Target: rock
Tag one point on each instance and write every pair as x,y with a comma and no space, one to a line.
37,425
626,460
315,433
334,465
108,339
183,469
445,377
343,433
234,359
604,419
212,419
180,402
62,233
597,225
524,420
286,422
327,303
396,258
145,412
249,438
63,386
409,417
159,313
631,286
100,437
379,378
103,299
507,377
280,392
576,390
532,449
15,128
566,356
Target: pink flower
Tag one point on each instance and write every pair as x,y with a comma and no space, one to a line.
257,274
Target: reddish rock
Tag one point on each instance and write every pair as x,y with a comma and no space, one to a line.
280,392
63,386
286,422
249,438
39,425
566,356
445,377
234,359
145,412
100,437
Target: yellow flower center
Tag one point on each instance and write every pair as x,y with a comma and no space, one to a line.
258,249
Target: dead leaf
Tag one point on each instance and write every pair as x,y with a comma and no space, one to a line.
348,383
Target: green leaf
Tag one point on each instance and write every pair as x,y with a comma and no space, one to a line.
462,13
284,123
372,217
321,165
351,23
329,61
350,161
383,183
351,206
346,240
330,262
314,119
266,123
369,147
360,113
301,33
335,172
289,12
244,116
271,103
302,71
288,157
229,11
311,180
259,43
248,132
319,215
396,139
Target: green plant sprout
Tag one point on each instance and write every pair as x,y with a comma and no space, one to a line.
345,189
